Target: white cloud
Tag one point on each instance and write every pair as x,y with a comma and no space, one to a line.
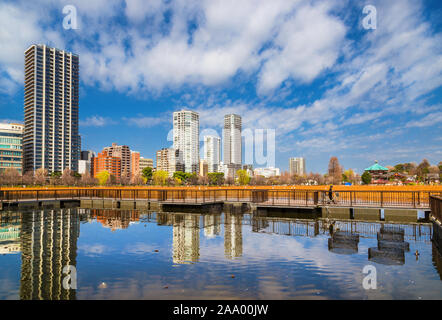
307,49
96,121
430,120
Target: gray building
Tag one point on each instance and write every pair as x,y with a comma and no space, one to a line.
297,166
232,141
51,140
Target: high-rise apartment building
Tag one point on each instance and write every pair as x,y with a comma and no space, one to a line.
232,143
186,138
212,152
122,152
104,161
145,162
170,160
135,162
51,140
297,166
11,152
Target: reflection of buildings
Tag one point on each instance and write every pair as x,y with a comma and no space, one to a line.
186,238
49,243
115,219
233,235
212,225
10,226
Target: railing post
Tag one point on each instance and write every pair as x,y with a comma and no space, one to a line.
382,199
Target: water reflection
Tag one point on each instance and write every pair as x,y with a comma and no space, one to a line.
186,238
233,235
10,229
49,242
304,258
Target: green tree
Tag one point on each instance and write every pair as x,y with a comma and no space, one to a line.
366,177
103,177
216,178
147,173
243,177
160,177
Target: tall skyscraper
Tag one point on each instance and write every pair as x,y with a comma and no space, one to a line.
51,140
11,150
232,143
212,152
297,166
186,138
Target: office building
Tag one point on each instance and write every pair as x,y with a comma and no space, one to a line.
11,152
145,162
170,160
232,143
50,139
104,161
297,166
186,138
212,152
122,152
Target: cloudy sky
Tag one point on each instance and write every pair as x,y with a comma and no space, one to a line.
307,69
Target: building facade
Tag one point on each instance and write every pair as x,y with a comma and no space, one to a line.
145,162
267,172
186,138
170,160
104,161
122,152
135,162
204,168
297,166
11,148
212,152
51,96
84,166
232,142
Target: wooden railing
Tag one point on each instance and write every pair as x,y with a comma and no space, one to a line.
436,207
289,197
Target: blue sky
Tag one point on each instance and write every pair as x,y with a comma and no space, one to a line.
306,69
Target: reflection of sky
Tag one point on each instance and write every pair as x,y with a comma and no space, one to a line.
270,267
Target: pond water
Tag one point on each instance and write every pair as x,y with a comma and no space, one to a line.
147,255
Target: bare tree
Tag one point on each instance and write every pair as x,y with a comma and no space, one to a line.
137,179
28,178
10,177
87,179
67,178
258,181
125,179
40,176
334,171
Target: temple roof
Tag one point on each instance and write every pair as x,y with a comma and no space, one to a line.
376,167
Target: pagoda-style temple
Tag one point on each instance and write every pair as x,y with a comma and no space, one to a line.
377,172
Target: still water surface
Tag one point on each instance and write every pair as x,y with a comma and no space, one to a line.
141,255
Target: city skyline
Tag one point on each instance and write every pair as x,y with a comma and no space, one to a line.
357,95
